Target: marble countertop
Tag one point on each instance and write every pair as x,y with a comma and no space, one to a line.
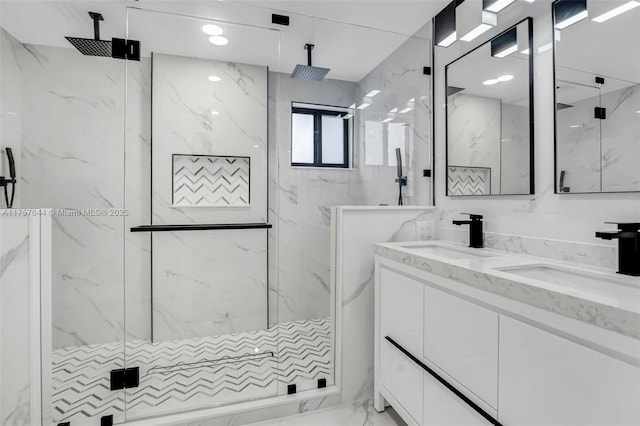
615,305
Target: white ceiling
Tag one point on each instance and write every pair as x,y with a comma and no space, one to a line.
351,37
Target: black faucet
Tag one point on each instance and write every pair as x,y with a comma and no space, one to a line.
476,237
628,247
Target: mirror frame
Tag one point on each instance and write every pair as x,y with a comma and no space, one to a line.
556,183
529,21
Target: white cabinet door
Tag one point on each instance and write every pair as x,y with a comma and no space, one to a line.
549,380
401,319
443,408
461,338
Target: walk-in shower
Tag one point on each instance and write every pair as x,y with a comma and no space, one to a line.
179,262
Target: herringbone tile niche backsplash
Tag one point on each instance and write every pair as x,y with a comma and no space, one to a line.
210,180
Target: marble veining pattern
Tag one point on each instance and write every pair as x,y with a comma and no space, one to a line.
599,255
618,316
359,413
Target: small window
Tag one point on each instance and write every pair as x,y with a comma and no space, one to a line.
320,135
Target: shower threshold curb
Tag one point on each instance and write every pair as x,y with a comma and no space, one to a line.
227,410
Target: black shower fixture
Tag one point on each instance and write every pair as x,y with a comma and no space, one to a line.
114,48
309,72
4,182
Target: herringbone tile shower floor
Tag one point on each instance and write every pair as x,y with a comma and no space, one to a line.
189,374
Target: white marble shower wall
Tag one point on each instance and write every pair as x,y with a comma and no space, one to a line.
402,83
72,158
10,104
303,196
621,139
208,282
15,321
474,134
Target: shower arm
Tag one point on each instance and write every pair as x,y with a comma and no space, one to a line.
309,48
97,17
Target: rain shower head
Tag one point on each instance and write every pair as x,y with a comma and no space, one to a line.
94,46
309,72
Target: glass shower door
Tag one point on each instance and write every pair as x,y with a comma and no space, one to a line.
198,247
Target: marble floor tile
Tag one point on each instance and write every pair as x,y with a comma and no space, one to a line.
355,414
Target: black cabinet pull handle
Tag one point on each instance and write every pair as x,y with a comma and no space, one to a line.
446,384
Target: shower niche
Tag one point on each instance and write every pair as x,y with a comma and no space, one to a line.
211,181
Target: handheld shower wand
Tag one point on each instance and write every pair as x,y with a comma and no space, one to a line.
4,182
402,180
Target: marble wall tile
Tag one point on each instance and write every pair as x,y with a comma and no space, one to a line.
10,105
299,199
194,116
578,146
474,134
360,230
73,158
402,82
208,283
15,321
515,173
621,140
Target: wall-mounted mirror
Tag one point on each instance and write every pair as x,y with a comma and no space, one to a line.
490,117
597,81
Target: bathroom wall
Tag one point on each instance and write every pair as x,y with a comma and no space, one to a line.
15,321
73,152
543,215
303,196
10,105
402,82
209,282
474,134
515,149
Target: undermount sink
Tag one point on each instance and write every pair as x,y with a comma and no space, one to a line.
448,251
579,280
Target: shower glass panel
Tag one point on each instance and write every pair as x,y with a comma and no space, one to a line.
66,111
197,172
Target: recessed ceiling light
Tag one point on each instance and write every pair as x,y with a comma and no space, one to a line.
218,40
505,77
406,110
498,5
386,120
214,78
363,106
617,11
212,30
394,110
214,112
347,116
372,93
490,82
575,126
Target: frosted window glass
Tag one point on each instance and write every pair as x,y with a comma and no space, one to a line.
302,138
374,143
332,140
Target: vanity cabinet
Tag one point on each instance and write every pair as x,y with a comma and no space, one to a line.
461,338
549,380
510,370
400,318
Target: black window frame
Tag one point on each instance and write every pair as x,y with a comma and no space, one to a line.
317,114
